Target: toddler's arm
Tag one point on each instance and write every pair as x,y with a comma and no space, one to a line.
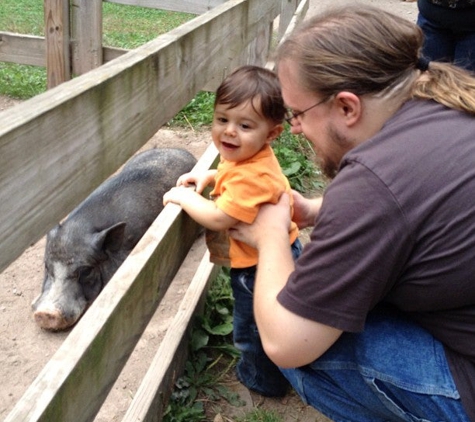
203,211
200,180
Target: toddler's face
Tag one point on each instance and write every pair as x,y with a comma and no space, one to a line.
240,132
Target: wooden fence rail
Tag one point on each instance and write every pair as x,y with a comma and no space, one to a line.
59,146
73,35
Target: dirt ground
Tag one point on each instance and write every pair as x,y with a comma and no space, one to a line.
24,348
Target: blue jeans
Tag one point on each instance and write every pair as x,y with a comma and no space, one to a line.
447,44
393,371
254,369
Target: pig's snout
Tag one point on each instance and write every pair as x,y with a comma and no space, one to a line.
52,319
55,316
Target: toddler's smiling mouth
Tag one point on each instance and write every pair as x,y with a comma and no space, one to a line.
228,145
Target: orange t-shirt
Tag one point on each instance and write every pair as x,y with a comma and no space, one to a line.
240,189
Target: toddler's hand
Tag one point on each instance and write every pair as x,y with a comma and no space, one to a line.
176,195
187,179
199,180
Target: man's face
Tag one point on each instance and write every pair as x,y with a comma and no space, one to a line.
320,124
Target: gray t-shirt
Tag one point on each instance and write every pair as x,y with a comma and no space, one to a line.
397,225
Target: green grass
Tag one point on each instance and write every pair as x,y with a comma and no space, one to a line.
21,81
197,113
260,415
22,16
295,156
211,356
123,26
131,26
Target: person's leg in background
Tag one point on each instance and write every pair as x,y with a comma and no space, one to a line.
464,54
439,43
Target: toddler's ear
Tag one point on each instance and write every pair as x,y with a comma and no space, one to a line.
275,132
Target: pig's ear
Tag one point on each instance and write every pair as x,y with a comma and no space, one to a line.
111,239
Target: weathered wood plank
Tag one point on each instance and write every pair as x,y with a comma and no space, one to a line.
31,50
297,17
110,53
56,17
59,146
86,25
154,391
188,6
255,53
22,49
151,399
288,9
75,382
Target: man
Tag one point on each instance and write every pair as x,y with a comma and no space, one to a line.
376,320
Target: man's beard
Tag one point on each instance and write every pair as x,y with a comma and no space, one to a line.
328,168
331,165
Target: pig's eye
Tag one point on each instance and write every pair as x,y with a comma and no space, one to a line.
84,273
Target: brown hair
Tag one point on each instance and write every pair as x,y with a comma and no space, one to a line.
249,83
366,50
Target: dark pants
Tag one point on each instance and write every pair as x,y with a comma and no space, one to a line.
254,369
447,44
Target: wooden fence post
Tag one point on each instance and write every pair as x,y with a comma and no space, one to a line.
56,14
86,34
288,9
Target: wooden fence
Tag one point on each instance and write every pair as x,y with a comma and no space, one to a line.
73,35
59,146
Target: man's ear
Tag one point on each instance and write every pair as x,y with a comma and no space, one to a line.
349,107
274,133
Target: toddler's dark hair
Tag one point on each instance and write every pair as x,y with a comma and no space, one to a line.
249,83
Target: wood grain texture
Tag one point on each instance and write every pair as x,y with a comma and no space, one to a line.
188,6
56,14
151,398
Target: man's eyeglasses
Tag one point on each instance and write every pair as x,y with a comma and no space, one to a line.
290,115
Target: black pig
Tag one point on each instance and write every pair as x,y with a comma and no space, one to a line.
83,252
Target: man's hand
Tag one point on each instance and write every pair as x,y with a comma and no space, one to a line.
305,210
271,218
